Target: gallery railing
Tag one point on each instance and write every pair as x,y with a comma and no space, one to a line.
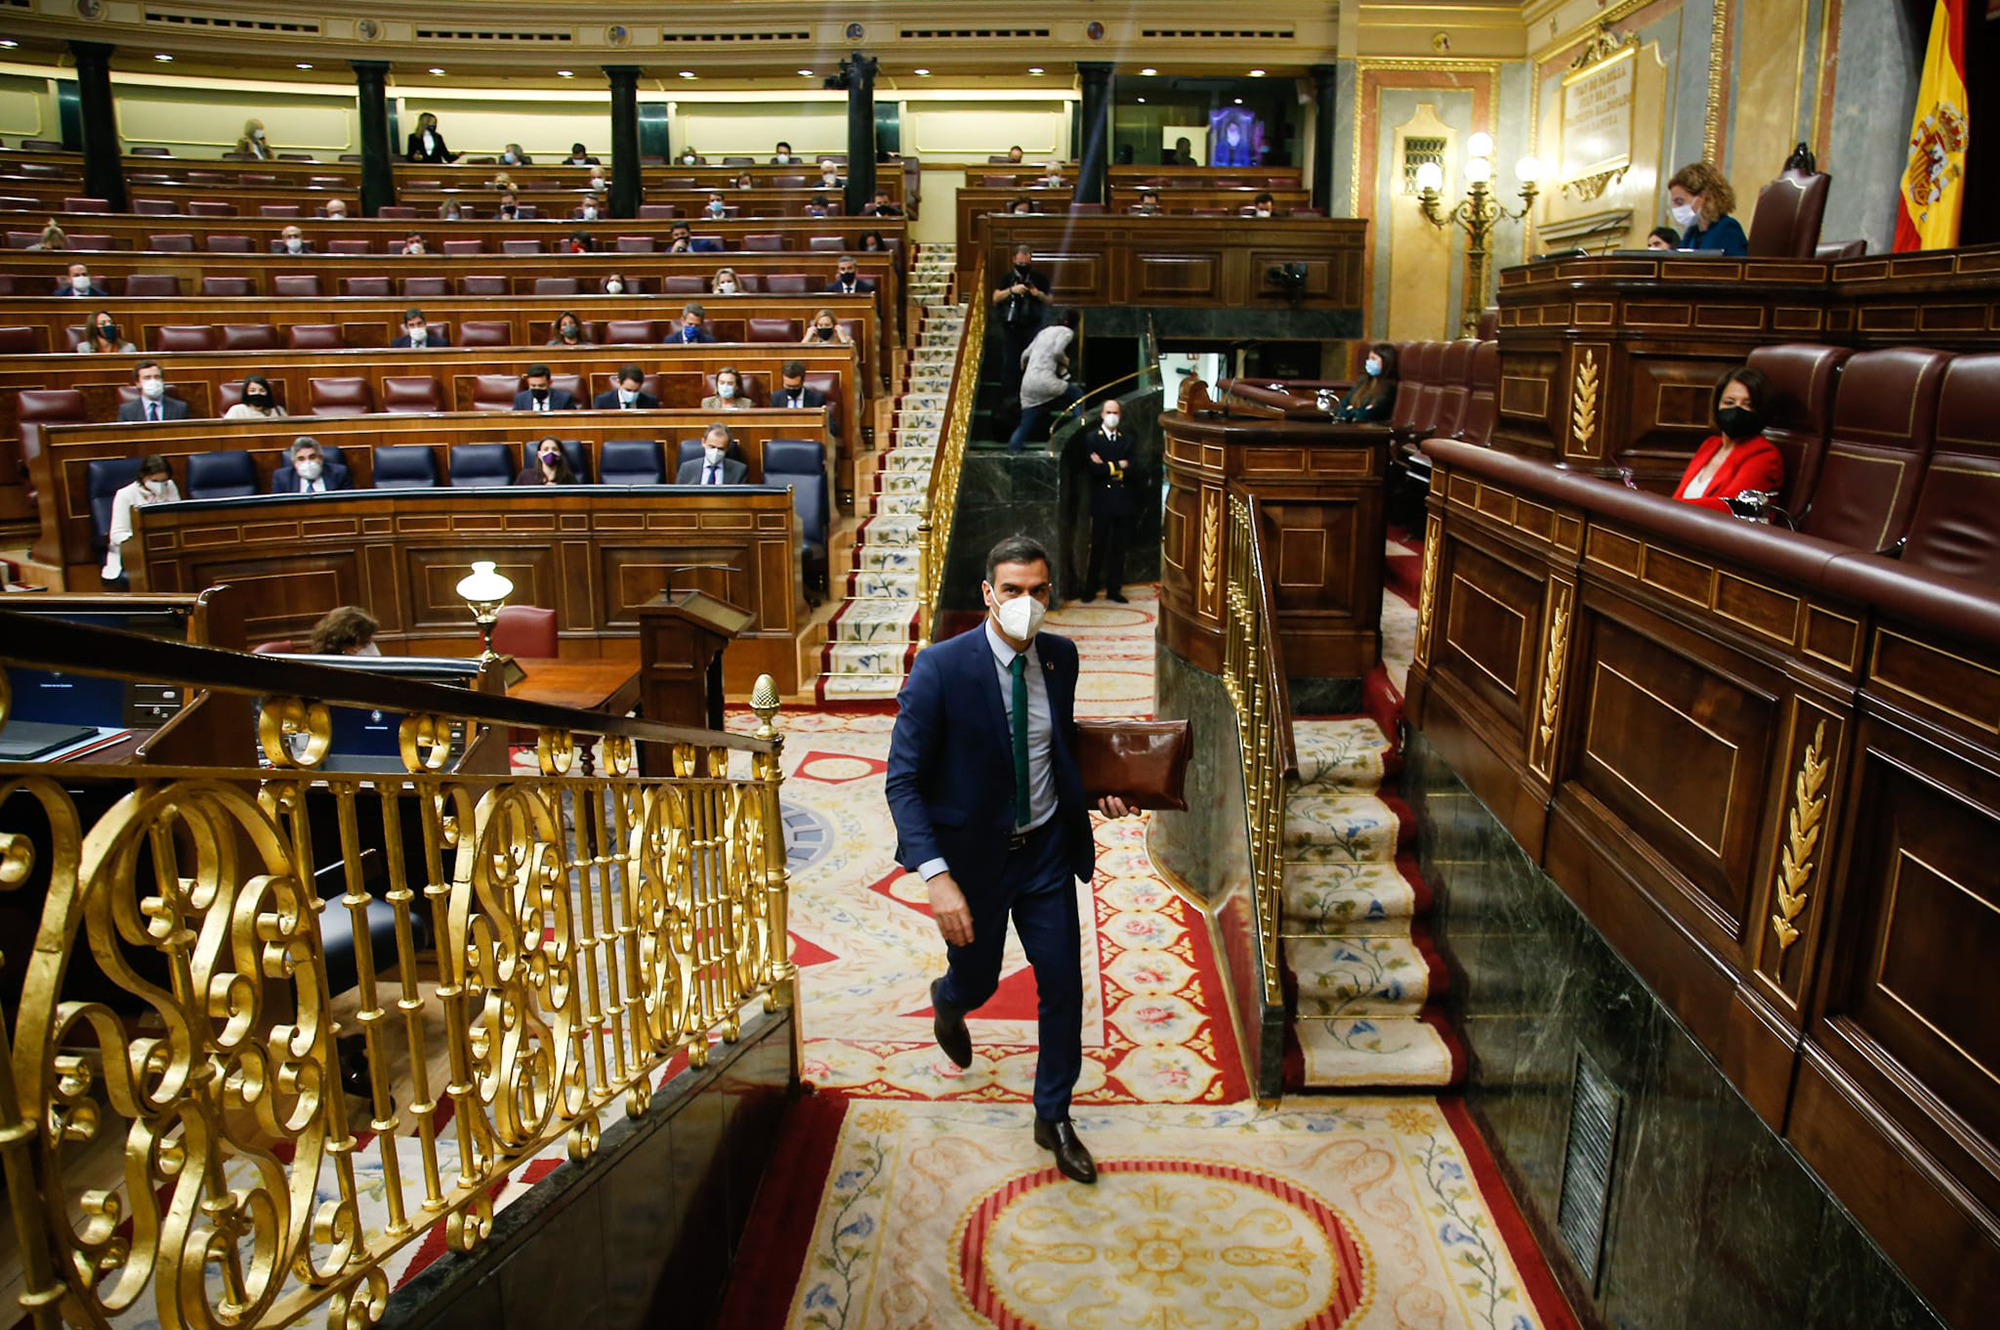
1253,673
278,1022
940,505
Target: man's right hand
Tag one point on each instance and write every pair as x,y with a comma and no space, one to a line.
948,907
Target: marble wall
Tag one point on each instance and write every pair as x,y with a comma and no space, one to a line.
1713,1221
1881,60
645,1234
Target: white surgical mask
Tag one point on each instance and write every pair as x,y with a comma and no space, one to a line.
310,469
1373,365
257,134
154,389
1684,215
714,456
294,244
1110,424
154,488
1021,617
614,287
590,212
725,391
627,396
337,215
80,283
726,288
418,336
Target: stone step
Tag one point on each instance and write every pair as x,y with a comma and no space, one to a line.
878,584
874,621
1356,976
893,529
876,658
1338,826
1348,899
1374,1051
886,558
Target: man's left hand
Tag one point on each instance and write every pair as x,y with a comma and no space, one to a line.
1113,806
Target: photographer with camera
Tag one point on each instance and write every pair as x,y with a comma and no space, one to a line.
1018,304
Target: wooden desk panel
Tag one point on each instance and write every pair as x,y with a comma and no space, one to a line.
977,201
67,536
593,555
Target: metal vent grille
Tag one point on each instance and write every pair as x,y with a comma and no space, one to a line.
524,38
175,18
1417,151
733,38
1594,1109
962,34
1219,34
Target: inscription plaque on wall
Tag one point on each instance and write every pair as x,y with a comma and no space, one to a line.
1597,122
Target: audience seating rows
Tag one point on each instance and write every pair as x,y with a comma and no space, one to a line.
422,198
422,278
386,232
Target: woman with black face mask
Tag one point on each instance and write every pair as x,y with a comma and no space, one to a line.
259,402
101,334
1738,459
569,331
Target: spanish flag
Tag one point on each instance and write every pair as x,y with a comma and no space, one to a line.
1934,175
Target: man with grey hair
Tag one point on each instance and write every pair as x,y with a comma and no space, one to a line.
694,325
309,471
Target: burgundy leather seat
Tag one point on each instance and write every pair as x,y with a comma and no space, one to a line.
483,284
18,339
83,203
1803,377
277,210
1454,387
314,337
295,284
464,247
826,244
36,408
186,337
520,247
630,332
152,284
227,286
1430,388
557,286
775,330
349,247
171,242
341,396
525,630
250,337
411,393
154,207
367,286
764,242
228,245
210,208
635,244
1409,386
1884,413
494,392
683,285
1955,528
1789,211
785,283
485,332
427,286
1482,403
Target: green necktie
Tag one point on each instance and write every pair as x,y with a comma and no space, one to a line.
1020,670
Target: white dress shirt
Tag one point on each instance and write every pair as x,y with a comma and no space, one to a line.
1041,735
123,502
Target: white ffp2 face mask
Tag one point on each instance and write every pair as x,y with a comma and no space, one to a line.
1021,617
1684,215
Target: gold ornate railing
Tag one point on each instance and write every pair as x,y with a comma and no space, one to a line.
176,1134
940,505
1254,675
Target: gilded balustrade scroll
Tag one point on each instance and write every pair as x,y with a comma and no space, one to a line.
213,1134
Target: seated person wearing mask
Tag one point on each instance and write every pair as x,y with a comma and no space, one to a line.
782,156
539,395
153,403
510,206
78,283
154,485
347,630
253,143
615,284
882,207
629,395
550,467
600,183
693,326
830,178
728,394
259,402
294,241
1702,200
680,240
569,331
1149,204
819,207
1663,237
1262,205
579,242
414,246
873,243
516,155
587,211
689,157
792,391
578,157
336,210
102,334
826,329
715,466
1374,398
309,472
744,180
847,281
1737,458
418,333
715,208
1021,207
726,282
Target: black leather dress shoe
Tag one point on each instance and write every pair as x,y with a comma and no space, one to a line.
1073,1160
948,1026
1089,596
1118,598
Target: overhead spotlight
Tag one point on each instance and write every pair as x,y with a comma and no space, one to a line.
1149,71
163,56
1239,101
1034,69
1256,73
436,70
303,65
687,73
923,73
9,43
1142,101
565,73
805,73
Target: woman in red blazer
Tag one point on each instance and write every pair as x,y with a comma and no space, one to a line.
1739,458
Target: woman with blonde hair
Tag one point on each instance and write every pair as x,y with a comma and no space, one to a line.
253,142
826,328
52,237
726,282
1701,201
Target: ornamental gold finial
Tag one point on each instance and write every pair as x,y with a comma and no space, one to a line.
764,701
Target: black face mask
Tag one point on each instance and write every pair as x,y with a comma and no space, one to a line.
261,401
539,394
825,334
569,332
1740,422
108,331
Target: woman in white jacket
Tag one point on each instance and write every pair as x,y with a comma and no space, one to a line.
1045,385
154,485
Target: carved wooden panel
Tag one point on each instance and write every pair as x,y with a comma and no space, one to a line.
1487,627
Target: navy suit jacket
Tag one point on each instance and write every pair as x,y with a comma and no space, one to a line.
285,480
436,338
608,401
559,400
681,334
951,760
171,408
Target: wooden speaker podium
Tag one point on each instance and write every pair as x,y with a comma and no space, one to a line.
681,638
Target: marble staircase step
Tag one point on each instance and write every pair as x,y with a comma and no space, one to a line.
1352,976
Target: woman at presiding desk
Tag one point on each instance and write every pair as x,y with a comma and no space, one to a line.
1702,200
1738,458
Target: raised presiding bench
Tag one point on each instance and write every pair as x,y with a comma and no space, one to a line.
1767,769
83,465
592,554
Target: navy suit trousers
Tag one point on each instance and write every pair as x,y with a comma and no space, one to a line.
1038,890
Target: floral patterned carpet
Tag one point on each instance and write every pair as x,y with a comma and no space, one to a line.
910,1194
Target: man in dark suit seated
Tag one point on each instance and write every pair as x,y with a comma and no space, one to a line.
783,155
292,240
153,403
310,472
680,240
882,207
417,332
990,811
629,395
539,395
847,281
578,157
694,321
715,466
78,283
792,391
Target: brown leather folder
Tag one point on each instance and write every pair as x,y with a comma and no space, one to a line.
1143,762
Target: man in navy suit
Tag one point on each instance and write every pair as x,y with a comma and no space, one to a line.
989,809
78,283
541,395
847,281
417,332
694,325
310,472
154,401
629,395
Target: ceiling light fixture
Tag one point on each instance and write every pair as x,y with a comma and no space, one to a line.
1034,69
565,73
925,73
1149,71
687,73
303,65
163,56
436,70
1256,73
